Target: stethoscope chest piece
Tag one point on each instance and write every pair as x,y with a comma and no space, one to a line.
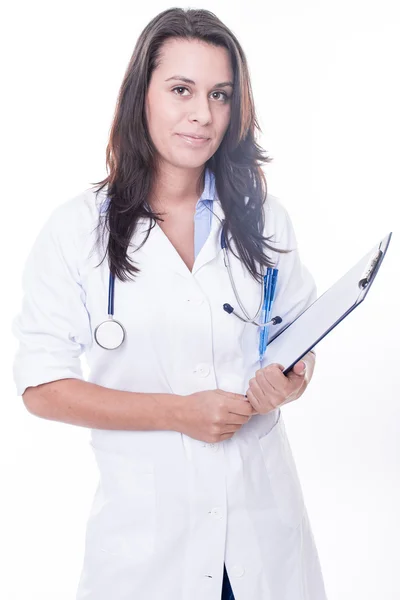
109,334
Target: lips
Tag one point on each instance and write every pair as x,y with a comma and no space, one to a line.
194,141
193,135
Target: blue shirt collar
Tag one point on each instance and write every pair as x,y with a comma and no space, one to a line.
209,192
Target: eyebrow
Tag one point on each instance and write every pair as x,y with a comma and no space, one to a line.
186,80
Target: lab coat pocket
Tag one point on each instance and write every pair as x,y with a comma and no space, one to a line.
123,515
282,475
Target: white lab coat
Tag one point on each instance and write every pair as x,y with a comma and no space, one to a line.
169,510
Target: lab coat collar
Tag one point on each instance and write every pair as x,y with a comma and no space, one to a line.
158,246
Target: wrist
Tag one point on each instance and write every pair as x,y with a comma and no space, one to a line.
174,410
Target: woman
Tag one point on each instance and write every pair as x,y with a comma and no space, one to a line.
198,493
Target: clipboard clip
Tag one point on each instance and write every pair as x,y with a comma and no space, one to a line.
369,272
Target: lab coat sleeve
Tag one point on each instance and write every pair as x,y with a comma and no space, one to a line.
53,326
296,289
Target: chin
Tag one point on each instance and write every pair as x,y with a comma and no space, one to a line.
189,162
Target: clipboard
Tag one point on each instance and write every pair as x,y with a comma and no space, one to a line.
297,338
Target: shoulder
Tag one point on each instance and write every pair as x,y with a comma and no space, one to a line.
78,212
76,217
70,229
275,208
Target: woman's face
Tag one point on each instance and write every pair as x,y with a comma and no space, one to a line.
200,107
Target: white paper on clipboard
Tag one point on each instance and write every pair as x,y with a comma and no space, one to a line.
316,321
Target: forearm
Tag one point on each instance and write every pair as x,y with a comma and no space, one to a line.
87,404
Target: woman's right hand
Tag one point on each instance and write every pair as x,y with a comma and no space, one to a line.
213,415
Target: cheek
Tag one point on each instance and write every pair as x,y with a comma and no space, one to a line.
223,122
164,120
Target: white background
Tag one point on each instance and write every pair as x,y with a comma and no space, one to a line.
325,77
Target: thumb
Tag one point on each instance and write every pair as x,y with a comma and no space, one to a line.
300,368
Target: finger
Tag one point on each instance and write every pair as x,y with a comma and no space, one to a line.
261,407
254,401
234,396
295,384
285,386
230,395
260,390
295,378
234,419
253,410
276,366
240,407
262,398
300,368
275,378
238,403
230,429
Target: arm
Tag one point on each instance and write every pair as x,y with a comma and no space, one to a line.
209,416
90,405
53,329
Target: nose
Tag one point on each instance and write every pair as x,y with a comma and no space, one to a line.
200,111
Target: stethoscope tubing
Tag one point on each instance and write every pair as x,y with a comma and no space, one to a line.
227,264
111,287
227,307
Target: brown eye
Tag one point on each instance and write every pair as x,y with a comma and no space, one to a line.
179,88
226,97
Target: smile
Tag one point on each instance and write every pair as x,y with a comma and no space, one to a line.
194,141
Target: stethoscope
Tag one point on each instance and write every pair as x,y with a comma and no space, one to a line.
111,333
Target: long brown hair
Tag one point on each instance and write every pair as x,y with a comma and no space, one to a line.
131,155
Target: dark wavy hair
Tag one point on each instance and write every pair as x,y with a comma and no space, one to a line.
131,157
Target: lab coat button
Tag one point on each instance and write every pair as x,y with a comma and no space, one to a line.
216,513
237,571
202,370
195,301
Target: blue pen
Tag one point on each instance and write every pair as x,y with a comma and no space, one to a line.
264,311
271,301
267,313
273,285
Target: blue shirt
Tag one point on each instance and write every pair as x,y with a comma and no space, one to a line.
203,214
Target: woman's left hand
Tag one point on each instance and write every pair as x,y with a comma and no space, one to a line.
270,388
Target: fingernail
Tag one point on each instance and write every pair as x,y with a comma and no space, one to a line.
304,368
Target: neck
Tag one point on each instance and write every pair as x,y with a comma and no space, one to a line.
176,188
